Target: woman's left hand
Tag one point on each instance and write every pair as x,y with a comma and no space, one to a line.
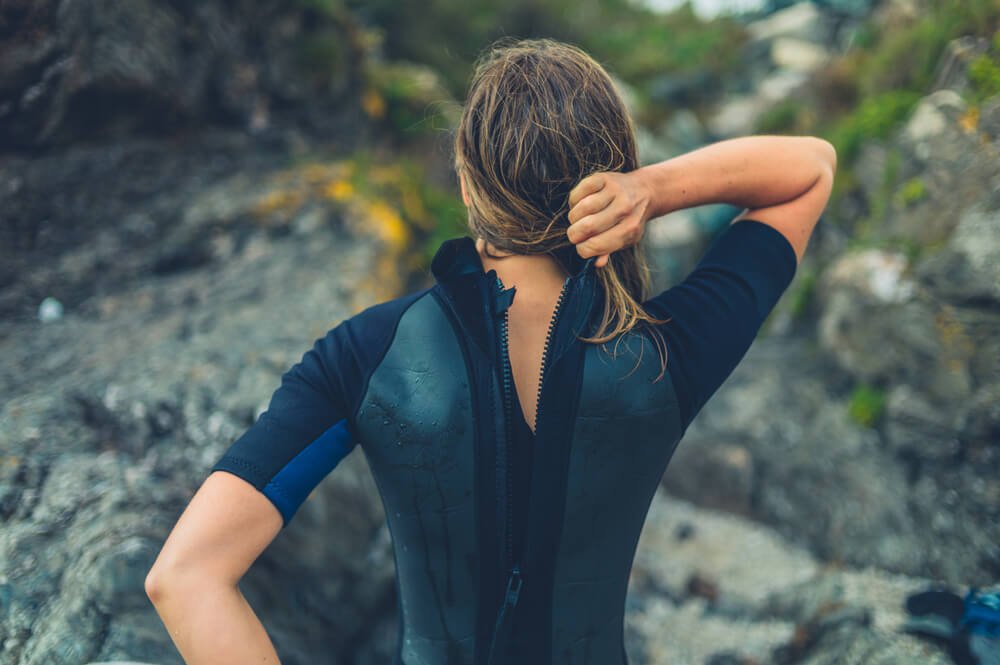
608,212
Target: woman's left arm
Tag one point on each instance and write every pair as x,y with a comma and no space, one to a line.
194,582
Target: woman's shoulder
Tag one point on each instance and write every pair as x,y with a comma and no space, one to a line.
716,312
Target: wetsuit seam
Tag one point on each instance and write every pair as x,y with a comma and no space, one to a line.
246,464
381,357
463,345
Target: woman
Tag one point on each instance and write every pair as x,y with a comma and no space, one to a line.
517,415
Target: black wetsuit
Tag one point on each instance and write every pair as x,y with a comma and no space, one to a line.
511,547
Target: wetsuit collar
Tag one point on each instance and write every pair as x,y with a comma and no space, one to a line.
460,273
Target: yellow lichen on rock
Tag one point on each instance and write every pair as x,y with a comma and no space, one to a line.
339,190
956,342
969,121
384,202
373,104
279,201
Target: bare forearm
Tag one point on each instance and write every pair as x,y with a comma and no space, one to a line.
212,624
748,172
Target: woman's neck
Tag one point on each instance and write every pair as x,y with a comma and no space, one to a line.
536,271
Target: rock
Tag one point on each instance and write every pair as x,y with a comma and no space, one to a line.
719,476
803,20
916,429
879,327
826,482
123,419
682,88
967,270
100,69
948,151
50,310
685,130
737,116
870,169
798,55
933,115
979,424
953,67
989,121
740,114
758,598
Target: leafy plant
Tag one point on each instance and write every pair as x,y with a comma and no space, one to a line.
866,405
913,191
984,77
874,118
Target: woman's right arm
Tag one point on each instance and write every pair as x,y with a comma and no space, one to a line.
194,582
782,181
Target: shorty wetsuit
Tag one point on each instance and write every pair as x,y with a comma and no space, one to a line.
511,547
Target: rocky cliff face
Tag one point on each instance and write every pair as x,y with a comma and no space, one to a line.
117,409
180,178
904,340
80,71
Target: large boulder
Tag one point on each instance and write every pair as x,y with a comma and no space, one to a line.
710,588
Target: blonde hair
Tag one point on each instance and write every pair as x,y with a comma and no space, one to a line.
540,116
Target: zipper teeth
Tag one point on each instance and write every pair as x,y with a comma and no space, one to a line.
508,380
546,350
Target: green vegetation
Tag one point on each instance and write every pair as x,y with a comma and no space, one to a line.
413,63
874,118
450,215
783,118
323,50
410,98
870,92
913,191
866,405
803,293
984,76
636,44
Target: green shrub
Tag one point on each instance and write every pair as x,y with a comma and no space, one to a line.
781,119
907,57
984,77
411,98
866,405
912,191
804,293
875,118
632,41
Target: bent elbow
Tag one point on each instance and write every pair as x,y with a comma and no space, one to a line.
154,586
162,582
826,153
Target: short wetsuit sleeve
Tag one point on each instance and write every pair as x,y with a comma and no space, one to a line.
303,434
308,426
718,309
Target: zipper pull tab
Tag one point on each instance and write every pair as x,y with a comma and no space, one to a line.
514,583
504,299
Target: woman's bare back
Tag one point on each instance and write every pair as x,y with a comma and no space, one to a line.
537,292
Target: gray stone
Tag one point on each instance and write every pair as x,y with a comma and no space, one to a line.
798,55
123,429
967,270
803,20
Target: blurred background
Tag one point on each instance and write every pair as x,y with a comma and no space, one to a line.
192,192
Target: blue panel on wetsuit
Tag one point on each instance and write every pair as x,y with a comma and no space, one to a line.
290,487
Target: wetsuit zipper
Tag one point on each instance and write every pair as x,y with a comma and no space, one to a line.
512,566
